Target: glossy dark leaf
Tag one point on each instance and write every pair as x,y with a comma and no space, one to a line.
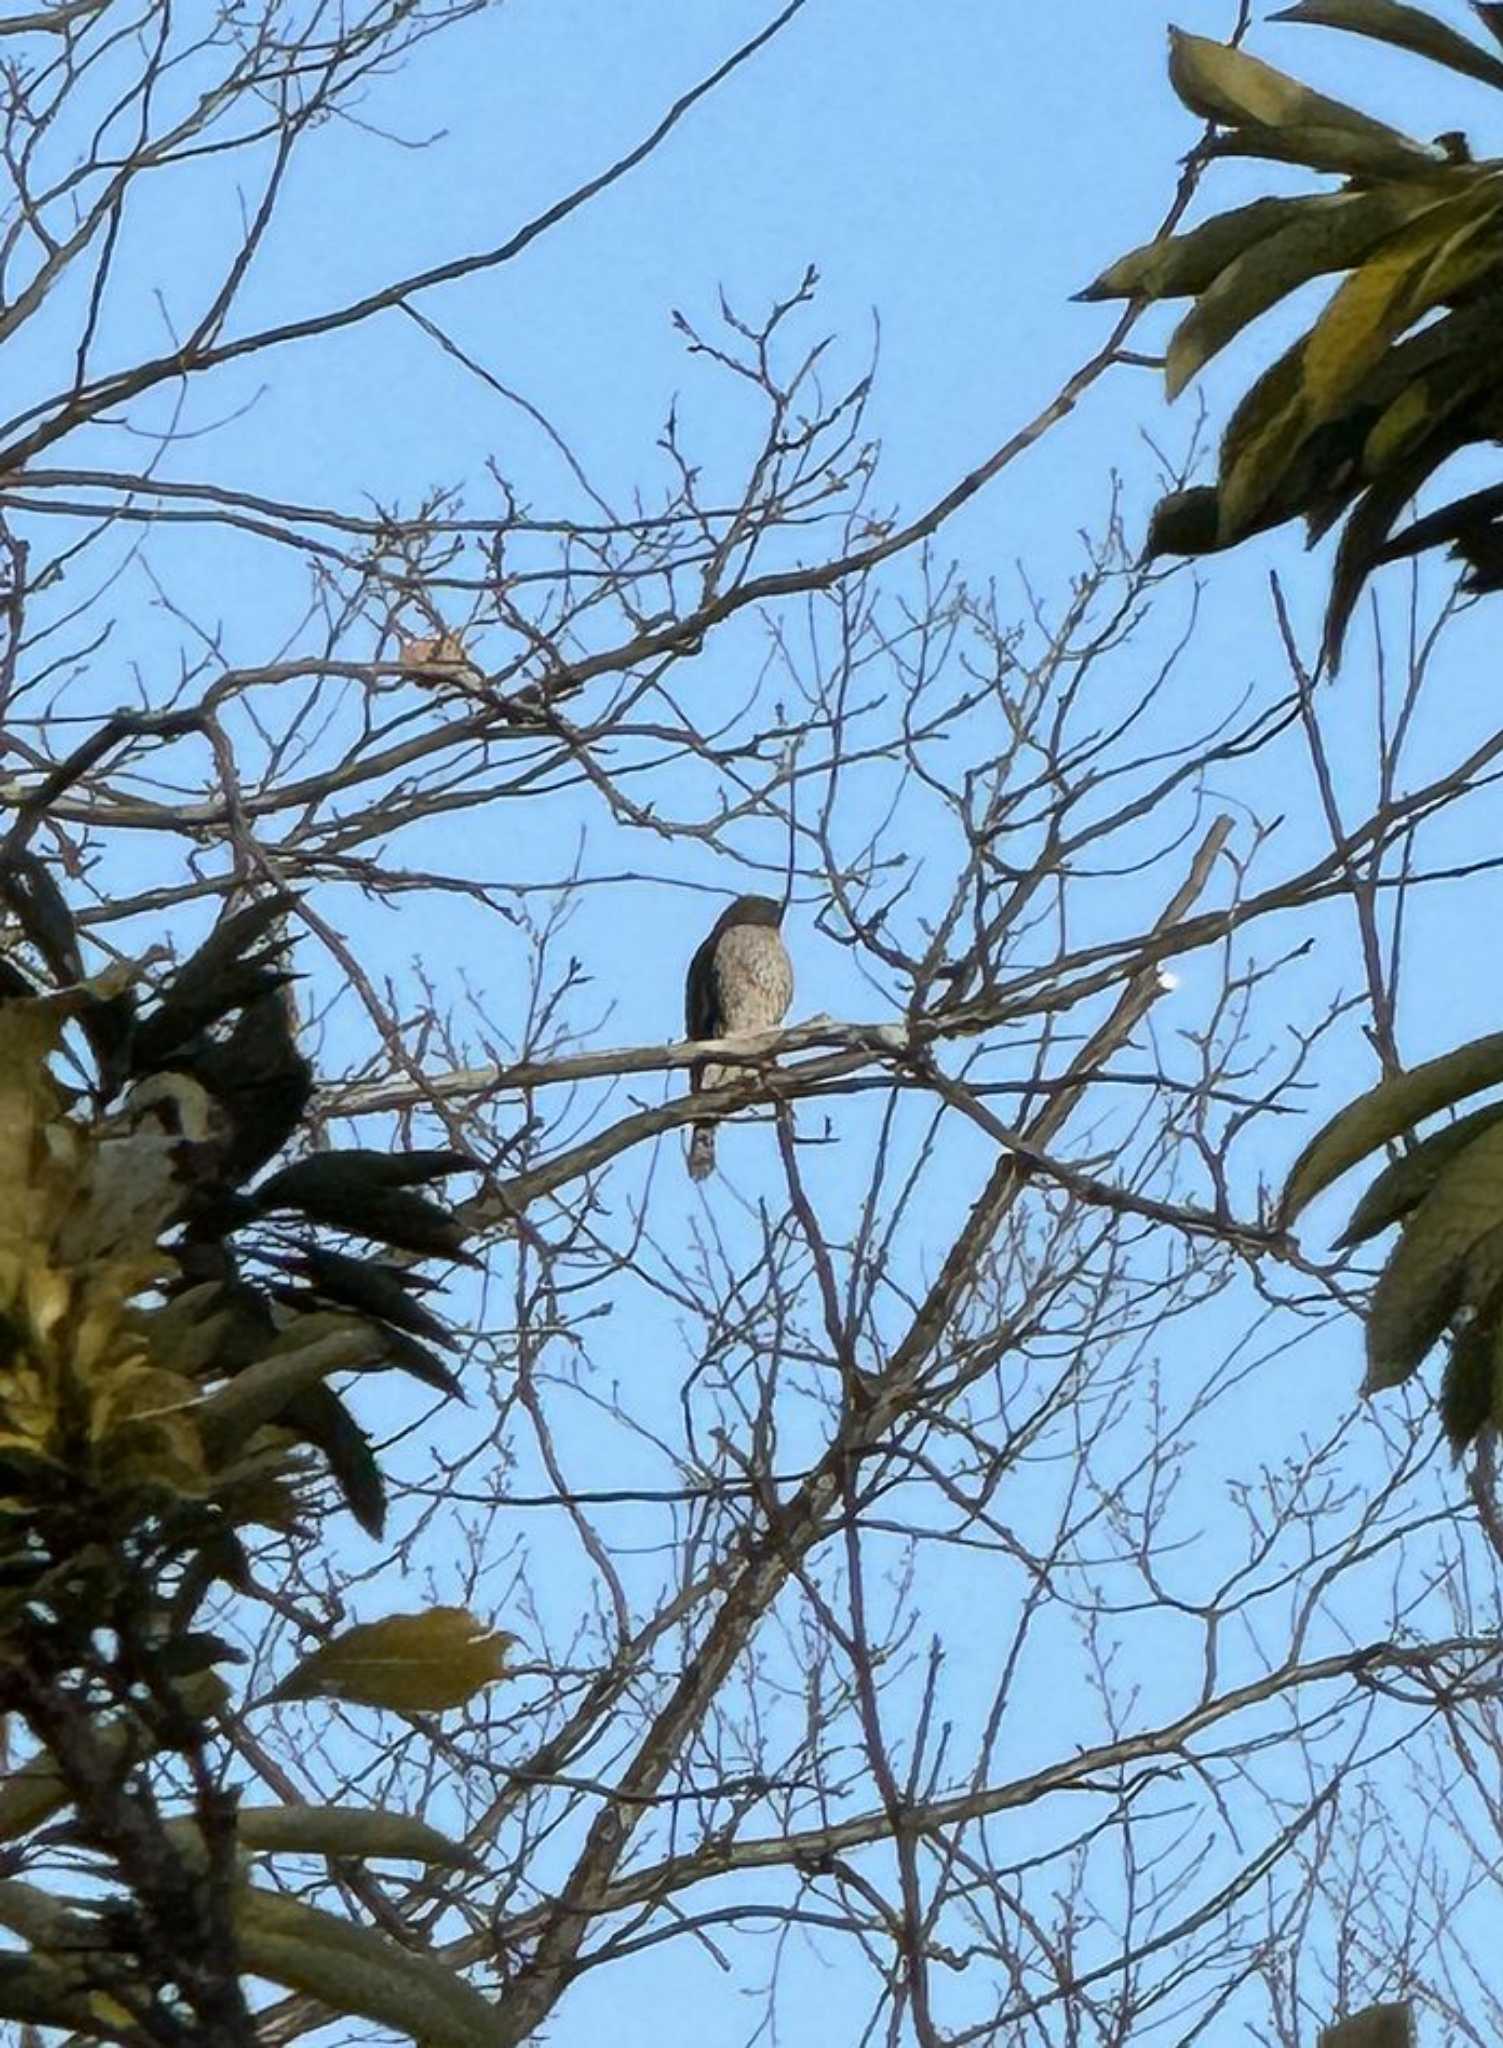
172,1026
1371,522
319,1415
195,1651
417,1359
224,974
262,1081
1467,1387
109,1025
344,1190
1483,553
358,1166
1474,513
373,1288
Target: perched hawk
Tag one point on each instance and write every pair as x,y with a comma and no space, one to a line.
741,979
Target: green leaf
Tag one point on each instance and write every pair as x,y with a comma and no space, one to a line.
1183,266
262,1392
1320,148
1384,1112
1404,1185
347,1831
1448,248
1329,233
410,1663
1426,1279
1226,85
1406,28
354,1970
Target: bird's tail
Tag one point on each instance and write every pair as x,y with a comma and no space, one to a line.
702,1152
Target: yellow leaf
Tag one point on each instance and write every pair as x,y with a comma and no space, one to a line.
29,1096
1329,233
1447,248
28,1409
410,1663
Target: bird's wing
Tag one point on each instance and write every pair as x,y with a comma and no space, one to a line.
702,1007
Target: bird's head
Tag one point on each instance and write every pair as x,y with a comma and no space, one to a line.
754,910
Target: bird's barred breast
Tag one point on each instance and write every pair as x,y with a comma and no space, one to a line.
754,983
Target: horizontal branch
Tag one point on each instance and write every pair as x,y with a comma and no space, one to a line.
813,1846
854,1046
465,1083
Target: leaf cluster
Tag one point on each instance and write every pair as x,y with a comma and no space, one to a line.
1444,1277
1401,369
172,1314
